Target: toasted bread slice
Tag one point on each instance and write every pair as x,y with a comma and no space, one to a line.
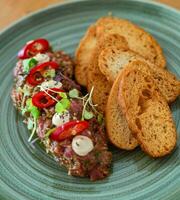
83,55
99,82
138,39
112,60
95,78
116,125
147,112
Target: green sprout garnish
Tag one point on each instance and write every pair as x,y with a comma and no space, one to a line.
35,114
30,124
49,132
88,114
74,93
33,130
87,104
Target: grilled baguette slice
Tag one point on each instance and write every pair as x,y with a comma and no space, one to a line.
147,112
95,78
116,125
138,39
113,60
83,55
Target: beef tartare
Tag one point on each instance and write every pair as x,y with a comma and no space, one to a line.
57,113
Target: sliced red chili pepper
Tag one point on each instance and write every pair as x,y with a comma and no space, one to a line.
68,130
35,75
33,47
43,100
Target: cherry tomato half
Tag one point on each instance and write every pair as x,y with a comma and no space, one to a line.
35,75
33,47
68,130
43,100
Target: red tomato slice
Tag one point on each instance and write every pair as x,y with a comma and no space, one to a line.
40,45
68,130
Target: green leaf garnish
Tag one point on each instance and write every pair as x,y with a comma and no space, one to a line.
74,93
88,115
32,109
65,102
28,64
62,105
59,107
49,73
35,112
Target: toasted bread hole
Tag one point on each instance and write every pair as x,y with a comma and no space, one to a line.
146,93
155,117
138,123
140,104
147,79
149,86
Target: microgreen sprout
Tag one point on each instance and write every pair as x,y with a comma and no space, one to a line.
87,101
45,89
33,130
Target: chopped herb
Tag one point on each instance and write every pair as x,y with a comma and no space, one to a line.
77,144
88,115
49,73
59,107
74,93
28,64
35,112
63,95
65,102
62,105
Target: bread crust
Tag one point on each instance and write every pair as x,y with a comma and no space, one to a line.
116,125
83,55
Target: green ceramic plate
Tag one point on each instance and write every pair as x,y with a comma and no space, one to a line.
27,173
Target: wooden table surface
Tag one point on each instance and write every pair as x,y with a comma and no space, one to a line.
11,10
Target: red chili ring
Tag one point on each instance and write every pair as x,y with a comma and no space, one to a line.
40,45
43,100
35,75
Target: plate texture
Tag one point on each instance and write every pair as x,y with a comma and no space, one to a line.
27,173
